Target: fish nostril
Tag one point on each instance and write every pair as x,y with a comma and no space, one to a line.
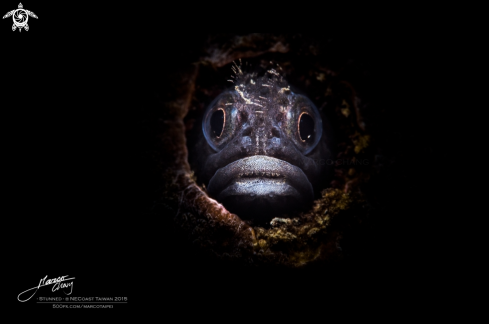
246,132
243,117
275,132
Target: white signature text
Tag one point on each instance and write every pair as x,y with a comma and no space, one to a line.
57,282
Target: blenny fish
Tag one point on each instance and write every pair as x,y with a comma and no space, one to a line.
260,146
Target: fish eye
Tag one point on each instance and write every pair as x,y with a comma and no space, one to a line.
306,128
218,120
303,124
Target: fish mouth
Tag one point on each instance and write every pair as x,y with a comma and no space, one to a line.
260,187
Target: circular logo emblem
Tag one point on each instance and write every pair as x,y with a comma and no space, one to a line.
20,17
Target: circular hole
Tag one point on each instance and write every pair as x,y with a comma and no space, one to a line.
217,122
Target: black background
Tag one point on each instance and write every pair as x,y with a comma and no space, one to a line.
72,104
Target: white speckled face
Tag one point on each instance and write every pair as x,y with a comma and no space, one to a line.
269,108
264,140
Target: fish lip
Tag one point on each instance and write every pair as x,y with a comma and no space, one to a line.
271,170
